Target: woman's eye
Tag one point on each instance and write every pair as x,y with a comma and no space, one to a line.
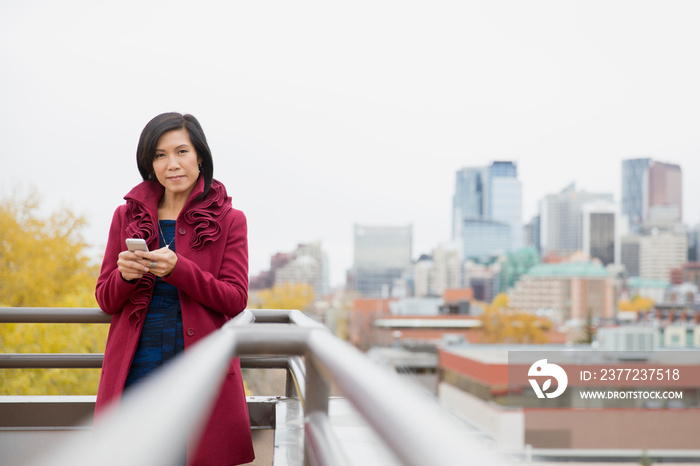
159,156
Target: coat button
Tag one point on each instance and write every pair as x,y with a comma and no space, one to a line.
182,231
190,331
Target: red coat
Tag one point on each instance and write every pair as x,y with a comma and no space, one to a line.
211,275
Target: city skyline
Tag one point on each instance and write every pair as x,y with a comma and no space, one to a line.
601,203
321,116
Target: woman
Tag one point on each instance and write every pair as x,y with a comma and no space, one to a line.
194,279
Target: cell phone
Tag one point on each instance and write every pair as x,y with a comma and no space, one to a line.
136,244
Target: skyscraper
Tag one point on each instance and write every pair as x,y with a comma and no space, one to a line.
468,200
309,265
601,236
633,174
382,255
561,219
651,193
504,201
663,194
487,209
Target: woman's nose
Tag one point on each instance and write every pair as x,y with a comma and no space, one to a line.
172,162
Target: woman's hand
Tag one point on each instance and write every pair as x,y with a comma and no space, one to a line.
160,262
130,266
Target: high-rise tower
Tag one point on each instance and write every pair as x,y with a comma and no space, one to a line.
561,219
382,255
633,174
487,209
652,193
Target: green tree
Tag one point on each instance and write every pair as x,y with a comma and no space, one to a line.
588,330
43,262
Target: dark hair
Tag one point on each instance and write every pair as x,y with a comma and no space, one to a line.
146,151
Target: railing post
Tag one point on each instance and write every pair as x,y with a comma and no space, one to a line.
289,387
316,401
296,377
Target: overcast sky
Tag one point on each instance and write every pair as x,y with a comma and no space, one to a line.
320,115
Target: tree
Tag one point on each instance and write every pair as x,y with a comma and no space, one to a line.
285,296
637,304
504,325
43,263
589,329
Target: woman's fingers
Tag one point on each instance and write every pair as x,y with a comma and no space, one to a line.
160,262
130,266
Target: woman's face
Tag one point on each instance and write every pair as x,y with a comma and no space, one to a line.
176,164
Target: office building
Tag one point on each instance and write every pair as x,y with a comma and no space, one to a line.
561,220
309,265
382,256
570,290
600,232
433,275
489,386
504,201
532,233
651,194
468,200
694,244
629,254
663,193
633,175
660,253
487,203
483,238
483,276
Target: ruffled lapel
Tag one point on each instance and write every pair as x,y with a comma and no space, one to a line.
142,210
142,216
205,215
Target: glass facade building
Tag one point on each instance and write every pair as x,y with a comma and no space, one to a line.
487,208
382,256
561,219
651,193
485,238
633,191
468,200
601,237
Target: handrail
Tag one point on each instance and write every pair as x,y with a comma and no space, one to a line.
70,315
51,360
171,407
54,315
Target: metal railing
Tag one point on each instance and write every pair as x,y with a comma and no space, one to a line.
53,315
170,409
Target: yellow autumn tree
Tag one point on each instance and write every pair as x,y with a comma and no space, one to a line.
504,325
637,304
285,296
43,263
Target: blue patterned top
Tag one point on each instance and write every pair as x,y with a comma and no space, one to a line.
161,338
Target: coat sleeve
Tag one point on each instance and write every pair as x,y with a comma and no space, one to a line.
112,290
226,293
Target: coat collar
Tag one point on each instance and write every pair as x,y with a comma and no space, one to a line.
150,192
203,215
